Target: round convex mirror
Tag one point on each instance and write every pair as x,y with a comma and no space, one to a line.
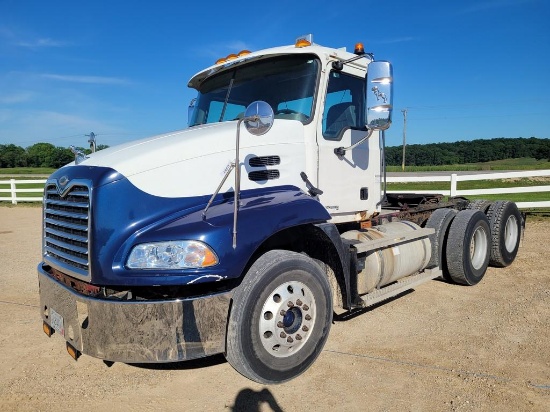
258,118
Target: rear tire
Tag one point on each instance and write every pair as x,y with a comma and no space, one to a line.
506,227
480,204
440,220
468,247
280,318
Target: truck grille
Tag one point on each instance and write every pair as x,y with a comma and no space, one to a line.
66,228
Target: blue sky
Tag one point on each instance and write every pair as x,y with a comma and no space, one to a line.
463,69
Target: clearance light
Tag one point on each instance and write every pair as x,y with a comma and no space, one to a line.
71,350
359,49
304,41
232,56
48,330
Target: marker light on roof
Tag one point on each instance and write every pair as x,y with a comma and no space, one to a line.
304,41
359,49
232,57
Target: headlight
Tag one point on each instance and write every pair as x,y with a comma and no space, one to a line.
171,255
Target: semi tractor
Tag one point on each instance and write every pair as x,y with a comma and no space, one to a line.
246,232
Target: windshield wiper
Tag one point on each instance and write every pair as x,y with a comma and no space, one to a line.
227,97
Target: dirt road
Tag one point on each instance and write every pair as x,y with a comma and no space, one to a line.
439,348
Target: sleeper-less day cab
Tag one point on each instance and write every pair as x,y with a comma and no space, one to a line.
243,233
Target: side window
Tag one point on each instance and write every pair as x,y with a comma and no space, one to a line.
343,104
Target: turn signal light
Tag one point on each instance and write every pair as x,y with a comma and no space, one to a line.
71,350
48,330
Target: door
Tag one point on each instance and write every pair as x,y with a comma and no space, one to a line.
350,182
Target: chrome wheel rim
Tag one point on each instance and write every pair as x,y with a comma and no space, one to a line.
287,319
478,248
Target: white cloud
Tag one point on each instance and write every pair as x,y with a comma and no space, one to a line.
29,42
218,50
41,43
19,97
85,79
397,40
236,46
25,128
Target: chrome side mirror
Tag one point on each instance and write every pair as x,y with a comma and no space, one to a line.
379,95
258,118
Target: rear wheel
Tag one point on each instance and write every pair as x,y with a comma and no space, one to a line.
468,248
280,318
506,227
440,220
480,204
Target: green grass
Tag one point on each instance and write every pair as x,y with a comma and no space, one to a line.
26,171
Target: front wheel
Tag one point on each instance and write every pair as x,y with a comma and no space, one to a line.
280,318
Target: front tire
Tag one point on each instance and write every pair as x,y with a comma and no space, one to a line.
280,318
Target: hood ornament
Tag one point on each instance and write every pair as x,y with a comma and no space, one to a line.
79,156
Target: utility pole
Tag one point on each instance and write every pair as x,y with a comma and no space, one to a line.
404,111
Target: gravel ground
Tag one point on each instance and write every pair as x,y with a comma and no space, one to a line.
440,347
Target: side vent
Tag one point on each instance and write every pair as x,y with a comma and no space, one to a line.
264,161
263,175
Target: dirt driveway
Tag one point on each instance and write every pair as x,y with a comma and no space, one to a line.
439,348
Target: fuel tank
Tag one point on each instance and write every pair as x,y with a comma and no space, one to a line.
383,266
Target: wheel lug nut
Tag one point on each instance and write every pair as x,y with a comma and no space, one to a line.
280,324
298,337
299,302
283,335
282,313
308,317
289,340
305,307
305,328
290,304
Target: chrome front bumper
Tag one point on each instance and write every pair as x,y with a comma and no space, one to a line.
136,331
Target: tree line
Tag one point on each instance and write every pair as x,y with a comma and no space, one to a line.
472,151
38,155
433,154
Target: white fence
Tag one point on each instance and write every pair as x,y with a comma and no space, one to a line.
453,179
13,191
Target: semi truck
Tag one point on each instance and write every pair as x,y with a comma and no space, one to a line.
246,232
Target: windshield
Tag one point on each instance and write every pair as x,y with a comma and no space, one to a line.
287,83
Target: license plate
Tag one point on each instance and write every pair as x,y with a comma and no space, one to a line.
57,322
